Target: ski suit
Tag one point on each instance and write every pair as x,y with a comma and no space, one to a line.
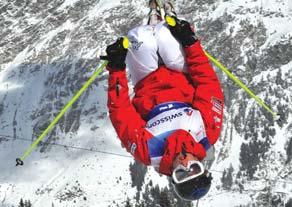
175,105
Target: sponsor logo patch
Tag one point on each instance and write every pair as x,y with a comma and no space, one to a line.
135,44
163,120
188,112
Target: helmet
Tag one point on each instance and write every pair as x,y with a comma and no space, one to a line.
191,182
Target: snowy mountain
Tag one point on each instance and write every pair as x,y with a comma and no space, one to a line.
48,49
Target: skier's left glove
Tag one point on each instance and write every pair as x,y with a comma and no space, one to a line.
116,55
181,30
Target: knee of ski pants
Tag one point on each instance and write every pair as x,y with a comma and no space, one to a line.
146,42
142,58
170,50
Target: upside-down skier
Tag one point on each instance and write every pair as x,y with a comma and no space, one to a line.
175,116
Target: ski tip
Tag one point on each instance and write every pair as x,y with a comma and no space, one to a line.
19,162
170,21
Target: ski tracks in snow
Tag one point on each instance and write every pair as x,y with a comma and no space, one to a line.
47,185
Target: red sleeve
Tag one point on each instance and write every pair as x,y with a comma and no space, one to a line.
129,125
208,97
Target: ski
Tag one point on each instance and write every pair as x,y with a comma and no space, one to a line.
161,8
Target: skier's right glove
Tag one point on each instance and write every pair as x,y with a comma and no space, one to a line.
181,30
116,54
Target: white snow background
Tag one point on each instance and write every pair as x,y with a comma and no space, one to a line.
103,179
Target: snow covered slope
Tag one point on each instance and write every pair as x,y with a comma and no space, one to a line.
48,49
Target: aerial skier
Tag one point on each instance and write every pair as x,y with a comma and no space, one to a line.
175,116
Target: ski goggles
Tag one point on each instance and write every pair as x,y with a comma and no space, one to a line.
182,174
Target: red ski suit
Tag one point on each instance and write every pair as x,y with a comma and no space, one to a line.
200,88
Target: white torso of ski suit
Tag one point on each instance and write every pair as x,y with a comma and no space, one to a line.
165,119
148,42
